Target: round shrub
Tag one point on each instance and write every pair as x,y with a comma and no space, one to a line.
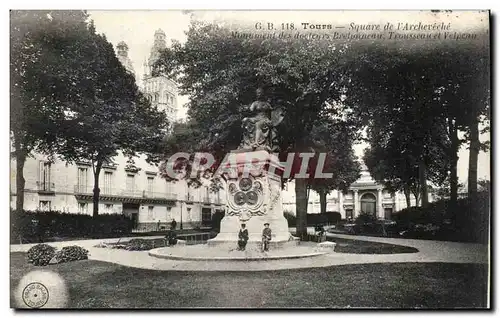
71,253
41,254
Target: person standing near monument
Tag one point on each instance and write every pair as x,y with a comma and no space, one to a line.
173,225
266,237
242,238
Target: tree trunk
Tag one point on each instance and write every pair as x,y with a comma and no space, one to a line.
406,191
322,201
416,194
417,199
453,166
474,148
423,183
95,198
20,182
301,207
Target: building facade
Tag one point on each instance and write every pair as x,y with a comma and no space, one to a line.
365,195
128,186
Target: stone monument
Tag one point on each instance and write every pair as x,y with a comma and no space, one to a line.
253,186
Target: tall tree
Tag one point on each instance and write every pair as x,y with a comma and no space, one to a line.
334,139
41,79
421,97
107,113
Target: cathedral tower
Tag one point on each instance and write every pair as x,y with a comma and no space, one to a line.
161,91
122,54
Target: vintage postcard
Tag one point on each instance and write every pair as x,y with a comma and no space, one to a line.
250,159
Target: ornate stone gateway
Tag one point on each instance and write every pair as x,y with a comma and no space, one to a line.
254,180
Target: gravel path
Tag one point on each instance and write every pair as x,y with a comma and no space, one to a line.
429,251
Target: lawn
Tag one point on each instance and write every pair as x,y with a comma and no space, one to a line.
365,247
94,284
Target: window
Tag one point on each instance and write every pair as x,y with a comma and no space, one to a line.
44,176
388,213
44,206
168,187
108,208
107,182
151,214
207,195
82,179
82,207
206,216
151,181
130,185
368,203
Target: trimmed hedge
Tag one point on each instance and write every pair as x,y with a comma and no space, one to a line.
468,222
38,226
314,218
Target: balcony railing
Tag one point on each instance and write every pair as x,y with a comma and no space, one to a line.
82,189
45,186
159,195
79,189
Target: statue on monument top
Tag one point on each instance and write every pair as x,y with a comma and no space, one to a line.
259,129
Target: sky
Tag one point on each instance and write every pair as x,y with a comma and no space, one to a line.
137,29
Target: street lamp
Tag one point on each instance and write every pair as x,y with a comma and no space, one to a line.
181,217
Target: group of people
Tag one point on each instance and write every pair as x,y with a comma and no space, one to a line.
171,237
243,237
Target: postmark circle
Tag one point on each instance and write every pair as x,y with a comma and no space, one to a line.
35,295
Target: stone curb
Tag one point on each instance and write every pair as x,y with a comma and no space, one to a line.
155,253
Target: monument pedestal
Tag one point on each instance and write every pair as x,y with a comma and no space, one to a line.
253,193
